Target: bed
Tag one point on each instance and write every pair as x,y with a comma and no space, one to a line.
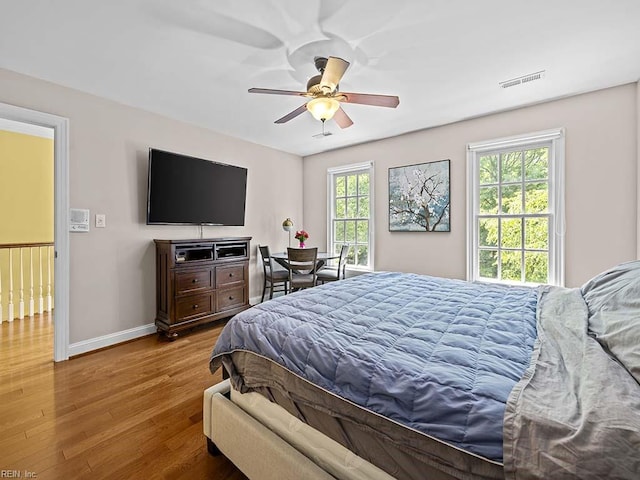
391,375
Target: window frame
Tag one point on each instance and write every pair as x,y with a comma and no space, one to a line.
344,170
555,140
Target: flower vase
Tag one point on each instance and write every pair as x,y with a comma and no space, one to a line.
301,244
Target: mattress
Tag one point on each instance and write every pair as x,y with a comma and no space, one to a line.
401,452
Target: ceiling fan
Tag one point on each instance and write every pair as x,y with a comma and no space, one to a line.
325,98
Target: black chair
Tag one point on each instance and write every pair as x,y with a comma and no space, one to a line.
302,267
273,275
330,274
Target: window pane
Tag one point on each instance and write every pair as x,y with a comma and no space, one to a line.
511,265
513,211
350,231
536,164
511,165
352,181
536,233
351,213
536,267
363,207
536,197
489,263
488,232
512,199
363,255
489,200
351,255
341,208
363,184
363,232
340,187
338,228
511,233
488,171
352,207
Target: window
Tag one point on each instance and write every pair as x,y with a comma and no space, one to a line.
350,221
516,212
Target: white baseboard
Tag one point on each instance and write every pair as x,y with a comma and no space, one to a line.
110,339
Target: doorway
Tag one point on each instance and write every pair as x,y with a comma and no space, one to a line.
61,209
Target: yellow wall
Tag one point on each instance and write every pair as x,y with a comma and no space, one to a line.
26,188
26,213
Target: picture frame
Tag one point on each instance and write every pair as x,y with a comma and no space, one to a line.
420,197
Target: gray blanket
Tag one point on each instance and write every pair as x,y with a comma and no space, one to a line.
576,412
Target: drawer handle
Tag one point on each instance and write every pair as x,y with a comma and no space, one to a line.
231,274
195,280
195,306
230,297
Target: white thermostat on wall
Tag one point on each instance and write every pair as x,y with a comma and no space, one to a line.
78,220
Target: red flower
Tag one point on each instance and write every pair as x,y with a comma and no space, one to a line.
301,235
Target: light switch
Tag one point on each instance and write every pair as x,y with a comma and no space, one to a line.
101,220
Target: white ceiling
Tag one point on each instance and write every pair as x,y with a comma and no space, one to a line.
194,60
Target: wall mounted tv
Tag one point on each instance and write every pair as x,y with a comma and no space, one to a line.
185,190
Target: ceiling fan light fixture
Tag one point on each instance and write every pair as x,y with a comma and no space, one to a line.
323,108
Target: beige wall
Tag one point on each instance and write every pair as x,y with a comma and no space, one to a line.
601,183
112,270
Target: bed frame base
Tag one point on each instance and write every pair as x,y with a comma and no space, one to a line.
212,448
253,448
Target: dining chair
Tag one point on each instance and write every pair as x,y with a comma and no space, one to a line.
272,274
302,267
331,274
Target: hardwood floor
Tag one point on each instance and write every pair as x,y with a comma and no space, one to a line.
133,411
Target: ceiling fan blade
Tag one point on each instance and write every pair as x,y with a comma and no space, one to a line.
333,72
277,92
342,119
210,20
390,101
294,114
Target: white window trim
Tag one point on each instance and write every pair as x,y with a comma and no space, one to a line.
331,208
556,201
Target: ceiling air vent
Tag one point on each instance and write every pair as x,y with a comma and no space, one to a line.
530,77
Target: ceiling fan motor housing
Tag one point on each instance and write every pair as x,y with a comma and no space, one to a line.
313,85
320,63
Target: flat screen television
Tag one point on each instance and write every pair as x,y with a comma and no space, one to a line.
184,190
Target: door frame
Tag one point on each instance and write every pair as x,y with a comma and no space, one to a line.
60,126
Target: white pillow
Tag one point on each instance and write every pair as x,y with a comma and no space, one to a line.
613,298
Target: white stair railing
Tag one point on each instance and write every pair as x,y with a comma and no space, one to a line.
21,303
35,283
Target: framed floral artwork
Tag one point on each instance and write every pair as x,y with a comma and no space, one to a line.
419,197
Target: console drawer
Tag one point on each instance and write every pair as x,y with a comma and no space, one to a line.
229,274
194,305
194,280
230,298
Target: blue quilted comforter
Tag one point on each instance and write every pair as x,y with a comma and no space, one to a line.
437,355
